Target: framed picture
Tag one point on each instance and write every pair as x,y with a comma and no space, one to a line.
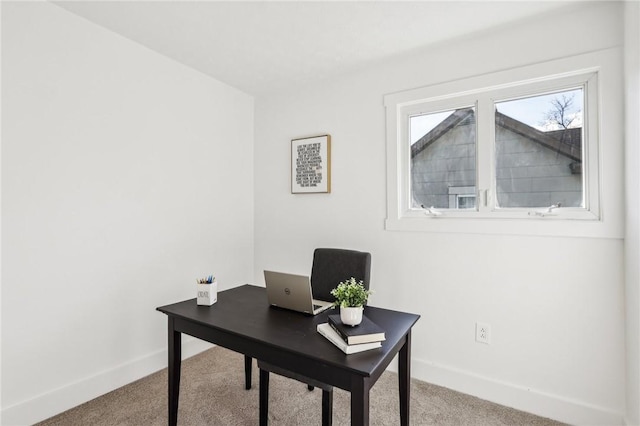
311,165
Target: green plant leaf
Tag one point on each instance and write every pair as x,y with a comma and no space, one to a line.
350,293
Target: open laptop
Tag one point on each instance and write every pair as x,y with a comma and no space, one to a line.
293,292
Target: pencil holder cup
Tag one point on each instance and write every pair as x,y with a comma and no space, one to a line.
208,293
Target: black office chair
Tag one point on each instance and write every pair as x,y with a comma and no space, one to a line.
330,267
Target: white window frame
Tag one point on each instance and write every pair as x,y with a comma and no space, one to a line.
597,73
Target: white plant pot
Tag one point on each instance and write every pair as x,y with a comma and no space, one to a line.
351,316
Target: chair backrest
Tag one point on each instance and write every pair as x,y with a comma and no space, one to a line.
331,266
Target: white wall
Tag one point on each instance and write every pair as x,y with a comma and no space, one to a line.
125,176
555,305
632,188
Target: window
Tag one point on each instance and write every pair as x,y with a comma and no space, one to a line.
443,156
521,144
538,150
462,197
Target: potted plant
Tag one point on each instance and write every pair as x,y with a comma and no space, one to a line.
350,297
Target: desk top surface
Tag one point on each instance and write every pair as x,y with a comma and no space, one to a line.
245,311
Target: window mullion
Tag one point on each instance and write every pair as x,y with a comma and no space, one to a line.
485,153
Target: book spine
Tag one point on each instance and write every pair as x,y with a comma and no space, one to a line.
340,333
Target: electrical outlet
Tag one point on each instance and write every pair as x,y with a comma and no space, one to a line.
483,333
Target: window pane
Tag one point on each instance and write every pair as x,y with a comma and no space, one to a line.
443,155
539,150
466,201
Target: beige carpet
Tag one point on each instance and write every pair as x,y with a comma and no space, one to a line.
212,393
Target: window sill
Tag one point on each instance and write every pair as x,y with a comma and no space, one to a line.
548,226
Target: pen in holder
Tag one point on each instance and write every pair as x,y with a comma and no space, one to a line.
207,291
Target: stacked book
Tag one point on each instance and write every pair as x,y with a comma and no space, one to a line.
363,337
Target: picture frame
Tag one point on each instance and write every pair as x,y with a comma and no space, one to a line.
311,165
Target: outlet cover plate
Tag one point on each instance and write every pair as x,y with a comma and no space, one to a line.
483,333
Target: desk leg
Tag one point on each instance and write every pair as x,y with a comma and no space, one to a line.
359,402
175,359
247,372
404,379
327,407
263,411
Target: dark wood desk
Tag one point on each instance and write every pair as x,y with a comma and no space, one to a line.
242,321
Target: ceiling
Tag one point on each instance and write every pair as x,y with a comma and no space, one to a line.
264,46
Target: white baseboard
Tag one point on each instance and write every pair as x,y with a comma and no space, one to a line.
58,400
507,394
510,395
